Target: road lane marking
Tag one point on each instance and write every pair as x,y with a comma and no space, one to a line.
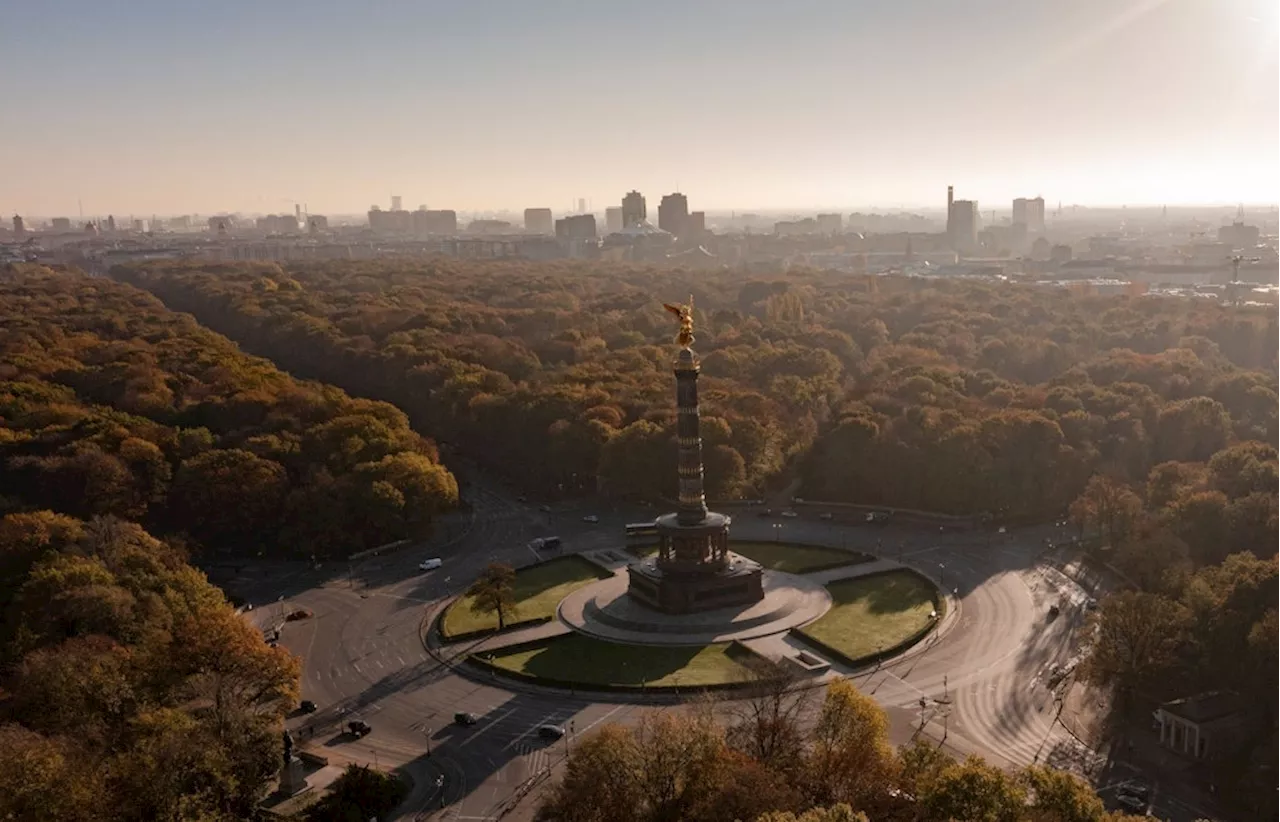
601,719
546,720
400,659
487,727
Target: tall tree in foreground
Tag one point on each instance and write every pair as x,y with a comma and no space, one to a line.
494,592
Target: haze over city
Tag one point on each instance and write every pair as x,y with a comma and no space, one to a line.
152,107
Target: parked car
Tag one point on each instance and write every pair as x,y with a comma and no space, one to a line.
1135,789
550,731
1054,611
358,728
790,514
1132,804
1091,604
307,706
591,518
552,543
430,564
462,718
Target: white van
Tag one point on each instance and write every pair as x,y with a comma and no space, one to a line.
430,564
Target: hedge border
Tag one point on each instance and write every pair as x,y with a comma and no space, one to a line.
449,638
939,605
734,648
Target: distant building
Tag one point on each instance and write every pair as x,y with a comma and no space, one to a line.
277,224
582,205
111,223
489,227
434,221
633,210
1060,254
673,214
1207,726
697,225
963,224
139,226
19,226
539,221
830,224
613,219
1030,213
576,227
788,228
60,223
182,223
1040,249
396,203
317,223
1239,236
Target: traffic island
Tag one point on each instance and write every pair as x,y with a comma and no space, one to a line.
875,616
538,591
575,661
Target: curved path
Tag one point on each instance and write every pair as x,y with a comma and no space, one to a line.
362,656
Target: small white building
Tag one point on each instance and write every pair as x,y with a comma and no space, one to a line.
1205,726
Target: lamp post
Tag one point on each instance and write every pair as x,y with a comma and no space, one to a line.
777,531
942,576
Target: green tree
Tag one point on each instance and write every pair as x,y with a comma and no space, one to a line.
358,795
493,592
975,792
1060,796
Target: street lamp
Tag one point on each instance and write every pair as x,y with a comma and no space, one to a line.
942,576
777,531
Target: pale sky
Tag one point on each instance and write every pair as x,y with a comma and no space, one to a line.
138,107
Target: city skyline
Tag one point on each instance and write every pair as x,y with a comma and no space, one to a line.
254,109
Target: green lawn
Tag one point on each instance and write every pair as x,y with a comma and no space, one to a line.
874,613
578,658
783,556
538,590
796,559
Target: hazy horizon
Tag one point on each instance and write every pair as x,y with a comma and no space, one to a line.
153,108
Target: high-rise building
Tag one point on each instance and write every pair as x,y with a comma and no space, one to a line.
19,226
395,203
61,223
317,223
111,223
1238,236
582,205
1030,213
613,219
830,224
962,227
539,221
633,210
697,223
673,214
576,227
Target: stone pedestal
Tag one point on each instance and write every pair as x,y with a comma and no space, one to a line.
692,571
292,779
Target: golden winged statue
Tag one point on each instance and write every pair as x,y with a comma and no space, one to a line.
685,313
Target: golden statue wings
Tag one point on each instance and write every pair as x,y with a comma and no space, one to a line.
685,313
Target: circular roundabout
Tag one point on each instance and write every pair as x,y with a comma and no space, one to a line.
847,611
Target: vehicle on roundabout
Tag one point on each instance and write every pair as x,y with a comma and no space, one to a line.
827,515
591,518
552,732
790,514
307,706
464,718
430,564
294,616
358,728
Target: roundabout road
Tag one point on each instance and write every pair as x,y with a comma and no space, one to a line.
982,684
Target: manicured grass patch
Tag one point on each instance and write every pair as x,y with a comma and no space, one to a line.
873,613
796,559
575,658
538,590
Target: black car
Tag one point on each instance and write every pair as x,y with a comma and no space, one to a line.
550,731
358,728
1137,790
307,706
461,718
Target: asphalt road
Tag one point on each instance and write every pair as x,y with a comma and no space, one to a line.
983,683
